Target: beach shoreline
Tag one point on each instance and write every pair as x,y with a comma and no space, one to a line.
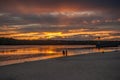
38,58
92,66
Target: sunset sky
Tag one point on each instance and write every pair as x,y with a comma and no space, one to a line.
60,19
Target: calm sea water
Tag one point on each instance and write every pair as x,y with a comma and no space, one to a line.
24,53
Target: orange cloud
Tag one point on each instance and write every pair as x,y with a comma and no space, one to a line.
53,35
50,35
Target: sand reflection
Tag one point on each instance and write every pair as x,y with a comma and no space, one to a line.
23,53
28,50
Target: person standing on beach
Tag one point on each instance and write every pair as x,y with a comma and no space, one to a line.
66,53
63,52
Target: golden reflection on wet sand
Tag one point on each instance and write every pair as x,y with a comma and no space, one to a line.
23,51
19,54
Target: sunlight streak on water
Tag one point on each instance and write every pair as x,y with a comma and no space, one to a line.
26,53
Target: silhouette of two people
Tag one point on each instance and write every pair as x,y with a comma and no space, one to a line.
64,52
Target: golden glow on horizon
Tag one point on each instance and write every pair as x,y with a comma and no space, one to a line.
50,35
54,35
110,37
15,31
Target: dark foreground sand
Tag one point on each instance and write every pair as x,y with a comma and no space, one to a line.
96,66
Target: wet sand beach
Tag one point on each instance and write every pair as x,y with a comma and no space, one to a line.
94,66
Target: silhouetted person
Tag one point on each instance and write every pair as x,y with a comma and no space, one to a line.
63,52
66,53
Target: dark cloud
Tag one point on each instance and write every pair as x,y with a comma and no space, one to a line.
44,5
56,18
26,16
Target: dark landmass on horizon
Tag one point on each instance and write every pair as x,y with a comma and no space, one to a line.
10,41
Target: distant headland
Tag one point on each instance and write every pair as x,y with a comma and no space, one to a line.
98,43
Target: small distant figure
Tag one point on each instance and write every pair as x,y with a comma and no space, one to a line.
102,51
63,52
99,38
66,52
